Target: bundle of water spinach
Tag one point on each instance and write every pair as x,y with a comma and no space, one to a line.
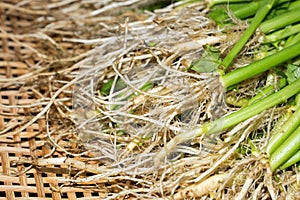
277,22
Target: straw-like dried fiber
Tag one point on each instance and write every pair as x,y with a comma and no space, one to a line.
64,135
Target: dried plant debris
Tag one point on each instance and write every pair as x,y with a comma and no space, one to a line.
134,92
137,83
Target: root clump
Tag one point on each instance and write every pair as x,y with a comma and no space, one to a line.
124,89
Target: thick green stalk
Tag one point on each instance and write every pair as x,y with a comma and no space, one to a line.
283,33
256,107
249,10
260,66
294,5
286,150
294,159
284,132
258,18
280,21
294,40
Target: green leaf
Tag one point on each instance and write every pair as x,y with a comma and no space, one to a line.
292,73
106,87
209,61
219,15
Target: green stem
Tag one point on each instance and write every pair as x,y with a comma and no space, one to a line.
280,21
215,2
256,107
267,91
249,10
234,101
284,132
294,5
259,17
286,150
260,66
283,33
231,119
295,40
294,159
260,95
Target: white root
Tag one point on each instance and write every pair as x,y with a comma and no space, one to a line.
241,195
203,188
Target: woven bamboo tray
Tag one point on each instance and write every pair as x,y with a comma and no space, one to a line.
38,148
42,45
